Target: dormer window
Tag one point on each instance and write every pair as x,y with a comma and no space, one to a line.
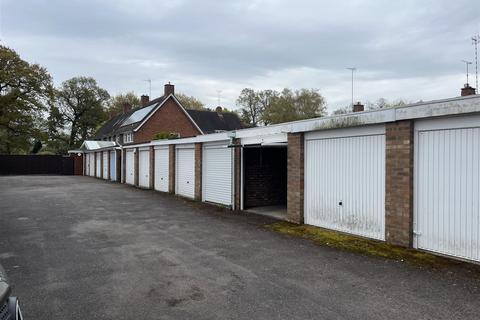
128,137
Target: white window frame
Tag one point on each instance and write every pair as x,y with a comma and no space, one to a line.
128,137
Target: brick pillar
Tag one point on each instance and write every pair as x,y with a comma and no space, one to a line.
295,169
135,166
237,174
124,162
84,164
152,168
95,164
399,183
171,168
109,176
119,165
101,164
198,171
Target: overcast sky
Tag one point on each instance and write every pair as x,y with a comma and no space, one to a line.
402,49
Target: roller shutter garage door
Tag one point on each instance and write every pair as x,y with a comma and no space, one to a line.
144,168
161,169
185,171
113,166
217,174
129,167
345,180
105,164
99,164
92,164
447,186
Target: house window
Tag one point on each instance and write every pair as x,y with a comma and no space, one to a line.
128,137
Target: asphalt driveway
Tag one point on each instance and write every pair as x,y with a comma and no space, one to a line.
81,248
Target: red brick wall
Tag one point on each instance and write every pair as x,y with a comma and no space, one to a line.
171,168
399,183
198,171
135,167
169,118
295,194
119,165
265,177
124,161
237,163
95,164
152,167
78,164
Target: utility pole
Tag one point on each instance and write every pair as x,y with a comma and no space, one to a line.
467,63
352,69
475,40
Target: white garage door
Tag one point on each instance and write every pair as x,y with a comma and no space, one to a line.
129,167
92,164
99,164
113,166
217,174
105,164
185,171
161,169
447,186
345,180
144,168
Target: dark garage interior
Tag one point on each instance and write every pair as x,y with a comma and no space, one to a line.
265,180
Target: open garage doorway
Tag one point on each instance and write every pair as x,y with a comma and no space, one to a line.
265,180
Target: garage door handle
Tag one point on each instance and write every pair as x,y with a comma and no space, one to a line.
417,233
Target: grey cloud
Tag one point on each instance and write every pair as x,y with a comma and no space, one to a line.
236,43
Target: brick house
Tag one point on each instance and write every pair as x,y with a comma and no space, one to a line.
164,114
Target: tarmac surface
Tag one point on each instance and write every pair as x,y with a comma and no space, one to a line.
82,248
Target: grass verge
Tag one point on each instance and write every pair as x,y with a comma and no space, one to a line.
368,247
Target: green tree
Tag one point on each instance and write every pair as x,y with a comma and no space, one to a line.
79,109
117,103
292,105
251,108
383,103
190,102
26,94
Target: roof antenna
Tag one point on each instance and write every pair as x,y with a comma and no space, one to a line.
149,87
466,64
218,96
475,40
352,69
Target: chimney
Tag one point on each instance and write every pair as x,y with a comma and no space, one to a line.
467,90
126,107
169,89
358,107
144,100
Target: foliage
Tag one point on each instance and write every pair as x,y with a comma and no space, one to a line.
79,110
294,105
343,110
251,109
190,102
26,93
37,145
116,104
165,135
383,103
269,106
